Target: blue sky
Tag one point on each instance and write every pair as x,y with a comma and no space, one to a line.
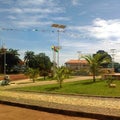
91,25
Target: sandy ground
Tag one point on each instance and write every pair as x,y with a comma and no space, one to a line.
17,113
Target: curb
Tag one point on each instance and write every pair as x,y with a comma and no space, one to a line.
61,111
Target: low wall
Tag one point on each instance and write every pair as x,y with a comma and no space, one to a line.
15,77
115,75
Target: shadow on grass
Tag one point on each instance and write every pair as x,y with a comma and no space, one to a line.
91,82
88,83
83,82
52,88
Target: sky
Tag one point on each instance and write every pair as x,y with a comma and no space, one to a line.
91,25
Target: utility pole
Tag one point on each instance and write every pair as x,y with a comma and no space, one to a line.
79,57
3,50
62,27
113,55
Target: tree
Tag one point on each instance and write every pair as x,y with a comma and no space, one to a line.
29,55
116,67
104,55
12,59
32,73
39,61
95,63
61,74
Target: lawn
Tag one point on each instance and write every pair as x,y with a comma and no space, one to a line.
86,87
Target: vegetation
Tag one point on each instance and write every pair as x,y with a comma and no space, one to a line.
12,59
104,55
39,61
85,87
109,64
95,63
32,73
61,74
15,65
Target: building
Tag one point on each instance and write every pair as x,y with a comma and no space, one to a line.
77,64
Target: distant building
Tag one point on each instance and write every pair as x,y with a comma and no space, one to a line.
77,64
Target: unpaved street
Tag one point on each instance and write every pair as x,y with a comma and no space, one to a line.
17,113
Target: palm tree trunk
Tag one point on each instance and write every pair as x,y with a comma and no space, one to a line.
60,83
94,78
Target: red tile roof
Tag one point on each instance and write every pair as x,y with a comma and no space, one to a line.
76,62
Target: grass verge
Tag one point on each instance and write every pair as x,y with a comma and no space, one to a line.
86,87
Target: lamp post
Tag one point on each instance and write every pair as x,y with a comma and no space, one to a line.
79,54
79,57
62,27
113,54
3,50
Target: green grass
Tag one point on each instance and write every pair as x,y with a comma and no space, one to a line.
49,78
86,87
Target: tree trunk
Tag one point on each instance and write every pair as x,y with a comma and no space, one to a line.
94,78
60,82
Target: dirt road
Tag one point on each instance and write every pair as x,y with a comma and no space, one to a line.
17,113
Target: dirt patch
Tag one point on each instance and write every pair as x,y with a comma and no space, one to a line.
17,113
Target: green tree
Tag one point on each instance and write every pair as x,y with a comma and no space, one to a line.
104,55
29,56
12,59
95,63
39,61
32,73
61,74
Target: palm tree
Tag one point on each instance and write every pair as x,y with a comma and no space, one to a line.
95,62
32,73
28,56
61,74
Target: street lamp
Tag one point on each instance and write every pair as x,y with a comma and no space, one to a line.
79,57
3,50
79,54
62,27
113,54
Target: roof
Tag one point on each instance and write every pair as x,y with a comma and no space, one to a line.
76,62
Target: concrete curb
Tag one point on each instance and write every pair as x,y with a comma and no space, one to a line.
60,111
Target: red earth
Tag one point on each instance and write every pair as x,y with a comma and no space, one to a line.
15,77
17,113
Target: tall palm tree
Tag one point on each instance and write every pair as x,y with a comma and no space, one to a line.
28,56
95,62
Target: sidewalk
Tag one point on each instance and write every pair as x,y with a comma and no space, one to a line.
92,105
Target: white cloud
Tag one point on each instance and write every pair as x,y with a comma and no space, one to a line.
100,29
32,23
102,35
11,17
34,10
6,1
32,2
106,29
30,13
75,2
61,18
